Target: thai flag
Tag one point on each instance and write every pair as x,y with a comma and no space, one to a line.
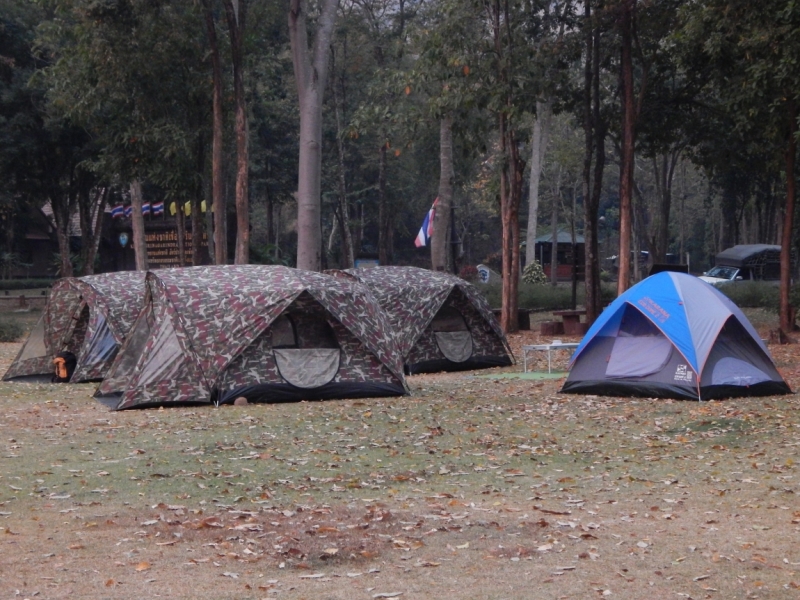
117,211
128,211
145,208
158,208
426,231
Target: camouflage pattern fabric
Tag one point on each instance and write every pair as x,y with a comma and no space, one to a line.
210,332
113,298
411,298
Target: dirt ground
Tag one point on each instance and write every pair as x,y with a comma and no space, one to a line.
479,485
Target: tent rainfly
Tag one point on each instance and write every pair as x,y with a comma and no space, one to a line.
673,336
88,316
440,321
265,333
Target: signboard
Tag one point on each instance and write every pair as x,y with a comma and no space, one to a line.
162,248
364,263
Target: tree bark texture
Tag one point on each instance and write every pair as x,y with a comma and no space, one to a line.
137,224
236,11
441,220
384,223
627,149
786,316
197,207
61,216
91,214
219,209
593,301
541,136
554,237
343,209
311,72
511,170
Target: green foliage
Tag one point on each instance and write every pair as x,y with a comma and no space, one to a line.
268,254
794,296
545,297
753,294
533,273
10,331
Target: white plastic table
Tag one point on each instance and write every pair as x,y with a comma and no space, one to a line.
554,345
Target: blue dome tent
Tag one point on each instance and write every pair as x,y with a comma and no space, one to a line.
673,336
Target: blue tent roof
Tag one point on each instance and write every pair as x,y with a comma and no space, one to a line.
688,311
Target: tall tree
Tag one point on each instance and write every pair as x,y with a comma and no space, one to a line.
218,204
236,11
311,72
441,242
627,9
749,58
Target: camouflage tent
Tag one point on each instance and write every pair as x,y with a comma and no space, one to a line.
441,322
265,333
88,316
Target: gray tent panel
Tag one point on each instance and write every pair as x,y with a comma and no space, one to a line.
735,371
638,356
34,346
308,368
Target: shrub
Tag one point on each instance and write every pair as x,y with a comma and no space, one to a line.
469,273
533,273
753,294
10,331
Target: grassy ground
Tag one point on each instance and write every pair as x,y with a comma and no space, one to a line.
472,487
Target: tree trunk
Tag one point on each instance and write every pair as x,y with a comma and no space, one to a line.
311,71
91,229
236,11
61,216
197,210
137,224
627,149
593,301
541,136
343,212
384,222
441,219
554,240
180,225
511,170
787,315
219,210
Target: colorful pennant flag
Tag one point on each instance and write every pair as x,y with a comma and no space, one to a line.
157,208
145,208
128,211
117,211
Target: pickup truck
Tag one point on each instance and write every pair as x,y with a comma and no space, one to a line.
746,262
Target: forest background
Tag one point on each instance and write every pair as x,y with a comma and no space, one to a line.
326,129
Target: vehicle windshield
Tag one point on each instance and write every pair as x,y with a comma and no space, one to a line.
723,272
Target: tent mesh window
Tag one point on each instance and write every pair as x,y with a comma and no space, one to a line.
118,377
283,333
299,347
453,337
484,341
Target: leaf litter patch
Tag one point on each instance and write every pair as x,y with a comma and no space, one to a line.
422,495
